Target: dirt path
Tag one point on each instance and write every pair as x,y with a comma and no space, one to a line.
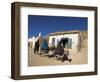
77,58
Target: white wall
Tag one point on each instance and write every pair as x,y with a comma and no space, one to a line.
33,40
74,38
5,40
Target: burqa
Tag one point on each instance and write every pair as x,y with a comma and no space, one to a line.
44,46
59,50
36,48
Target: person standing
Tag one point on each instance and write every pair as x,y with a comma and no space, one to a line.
36,48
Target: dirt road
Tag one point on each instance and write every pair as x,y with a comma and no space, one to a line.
77,58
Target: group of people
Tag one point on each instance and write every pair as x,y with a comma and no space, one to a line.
58,52
40,46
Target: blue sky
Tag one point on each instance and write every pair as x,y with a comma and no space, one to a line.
48,24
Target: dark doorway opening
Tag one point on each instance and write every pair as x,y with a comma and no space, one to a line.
67,42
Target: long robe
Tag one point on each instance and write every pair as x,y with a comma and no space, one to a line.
59,50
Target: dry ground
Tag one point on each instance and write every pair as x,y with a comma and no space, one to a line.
77,58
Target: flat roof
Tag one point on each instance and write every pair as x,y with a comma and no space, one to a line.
64,32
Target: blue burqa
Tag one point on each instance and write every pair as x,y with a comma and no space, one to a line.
44,44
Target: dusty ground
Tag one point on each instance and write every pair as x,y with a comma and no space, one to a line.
77,58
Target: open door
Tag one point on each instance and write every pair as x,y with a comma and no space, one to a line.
69,43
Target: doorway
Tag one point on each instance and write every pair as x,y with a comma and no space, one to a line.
67,42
